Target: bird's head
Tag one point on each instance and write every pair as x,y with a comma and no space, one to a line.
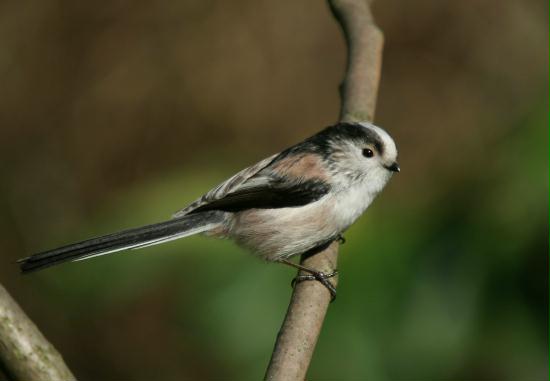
358,152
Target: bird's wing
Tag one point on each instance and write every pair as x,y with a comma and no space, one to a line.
281,180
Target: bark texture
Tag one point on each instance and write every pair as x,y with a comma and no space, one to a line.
24,352
302,325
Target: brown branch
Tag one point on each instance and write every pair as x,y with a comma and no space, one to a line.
24,351
365,42
309,303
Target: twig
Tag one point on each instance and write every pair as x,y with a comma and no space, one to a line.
309,303
24,351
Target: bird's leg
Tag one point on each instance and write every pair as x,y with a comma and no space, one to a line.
340,238
314,275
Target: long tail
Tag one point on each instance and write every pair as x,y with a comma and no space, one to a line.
128,239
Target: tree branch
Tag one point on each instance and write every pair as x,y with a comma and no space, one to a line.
310,300
24,351
365,42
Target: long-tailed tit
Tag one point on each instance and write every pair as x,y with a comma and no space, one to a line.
285,205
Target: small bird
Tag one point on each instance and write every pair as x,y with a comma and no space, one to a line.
288,204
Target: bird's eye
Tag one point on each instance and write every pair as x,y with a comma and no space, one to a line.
368,152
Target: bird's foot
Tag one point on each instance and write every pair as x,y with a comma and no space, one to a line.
313,275
321,277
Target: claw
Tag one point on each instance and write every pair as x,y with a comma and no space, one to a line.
341,239
320,277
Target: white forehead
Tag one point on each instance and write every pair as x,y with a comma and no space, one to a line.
390,150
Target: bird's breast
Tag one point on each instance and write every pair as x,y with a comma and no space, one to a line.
350,203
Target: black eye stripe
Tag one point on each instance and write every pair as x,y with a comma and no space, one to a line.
367,152
378,146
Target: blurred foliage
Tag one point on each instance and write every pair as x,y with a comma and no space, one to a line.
117,114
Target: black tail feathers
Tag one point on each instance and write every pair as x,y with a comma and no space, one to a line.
127,239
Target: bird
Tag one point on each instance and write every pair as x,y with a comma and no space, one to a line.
288,204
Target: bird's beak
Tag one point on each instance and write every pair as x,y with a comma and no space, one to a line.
394,167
